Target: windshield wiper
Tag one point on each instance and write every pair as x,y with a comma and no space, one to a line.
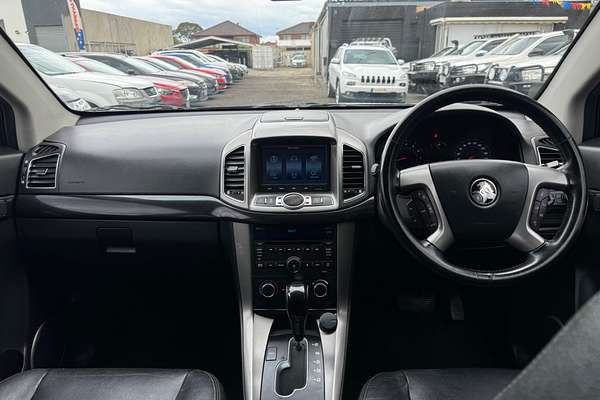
125,107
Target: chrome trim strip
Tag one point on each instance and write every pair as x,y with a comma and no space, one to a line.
334,345
255,329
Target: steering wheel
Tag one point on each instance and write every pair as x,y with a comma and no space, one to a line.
474,201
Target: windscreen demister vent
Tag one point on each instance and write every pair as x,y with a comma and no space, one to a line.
41,173
353,173
45,149
234,174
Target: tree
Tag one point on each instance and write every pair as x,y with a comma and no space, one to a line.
185,30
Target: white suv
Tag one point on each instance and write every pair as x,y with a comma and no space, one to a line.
366,73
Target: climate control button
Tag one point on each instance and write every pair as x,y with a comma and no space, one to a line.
320,289
267,289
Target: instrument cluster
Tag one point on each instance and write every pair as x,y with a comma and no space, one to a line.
452,138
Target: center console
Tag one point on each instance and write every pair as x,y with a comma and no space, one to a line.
294,274
284,254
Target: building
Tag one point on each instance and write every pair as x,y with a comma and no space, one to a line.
47,23
118,34
296,39
12,21
418,28
229,30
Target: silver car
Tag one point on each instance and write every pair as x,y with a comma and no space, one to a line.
99,90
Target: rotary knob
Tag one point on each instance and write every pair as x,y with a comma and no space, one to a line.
293,200
320,289
293,264
267,290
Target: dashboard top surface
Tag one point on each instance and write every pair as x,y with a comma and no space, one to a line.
181,154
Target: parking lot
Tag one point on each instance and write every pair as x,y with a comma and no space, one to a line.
278,86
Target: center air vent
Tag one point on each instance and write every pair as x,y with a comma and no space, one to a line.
353,178
41,173
45,149
548,154
234,175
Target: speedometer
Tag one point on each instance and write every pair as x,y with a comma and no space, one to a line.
472,149
409,155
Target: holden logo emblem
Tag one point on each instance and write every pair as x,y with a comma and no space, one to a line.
483,192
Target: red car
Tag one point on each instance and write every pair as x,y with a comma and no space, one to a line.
172,93
219,75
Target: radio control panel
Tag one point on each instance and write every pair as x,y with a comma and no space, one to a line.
286,254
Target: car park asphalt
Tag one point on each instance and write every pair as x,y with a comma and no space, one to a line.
264,87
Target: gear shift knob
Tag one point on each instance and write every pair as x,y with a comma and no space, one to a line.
296,300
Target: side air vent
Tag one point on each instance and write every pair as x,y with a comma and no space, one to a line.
45,149
353,178
548,153
234,174
41,173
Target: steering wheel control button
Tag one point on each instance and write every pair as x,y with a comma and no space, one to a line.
294,201
483,192
293,264
267,290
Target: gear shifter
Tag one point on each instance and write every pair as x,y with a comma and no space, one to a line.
297,309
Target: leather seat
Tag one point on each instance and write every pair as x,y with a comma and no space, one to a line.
438,384
567,368
111,384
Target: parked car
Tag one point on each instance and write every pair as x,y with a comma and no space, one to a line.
198,59
171,92
99,90
243,67
188,67
298,61
210,80
132,66
528,76
424,74
71,98
521,49
366,73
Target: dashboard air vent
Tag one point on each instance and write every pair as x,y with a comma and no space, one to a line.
41,173
548,153
353,178
234,174
45,149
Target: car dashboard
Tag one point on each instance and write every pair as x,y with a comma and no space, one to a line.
276,193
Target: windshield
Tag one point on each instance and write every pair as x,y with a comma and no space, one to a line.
469,48
368,57
291,54
96,66
518,46
49,63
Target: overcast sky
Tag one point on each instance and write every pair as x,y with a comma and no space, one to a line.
264,17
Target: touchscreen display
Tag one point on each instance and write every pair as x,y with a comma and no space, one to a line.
295,167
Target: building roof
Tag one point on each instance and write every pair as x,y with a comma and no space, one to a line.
301,28
210,41
224,29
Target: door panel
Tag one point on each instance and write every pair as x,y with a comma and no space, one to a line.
13,283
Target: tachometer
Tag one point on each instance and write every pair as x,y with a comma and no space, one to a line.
409,155
472,149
